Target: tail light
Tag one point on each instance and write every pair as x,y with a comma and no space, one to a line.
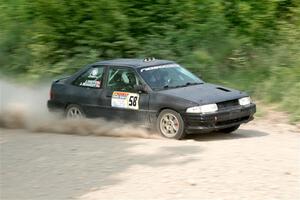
51,95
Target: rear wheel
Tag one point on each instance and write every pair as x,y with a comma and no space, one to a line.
170,124
74,112
229,129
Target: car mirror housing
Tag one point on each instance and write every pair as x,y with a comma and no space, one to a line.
140,88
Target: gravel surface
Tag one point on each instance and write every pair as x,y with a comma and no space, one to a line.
259,161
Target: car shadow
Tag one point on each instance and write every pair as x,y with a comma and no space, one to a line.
239,134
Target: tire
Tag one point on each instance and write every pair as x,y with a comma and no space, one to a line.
74,111
170,124
229,129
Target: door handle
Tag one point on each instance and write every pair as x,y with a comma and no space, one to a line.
108,95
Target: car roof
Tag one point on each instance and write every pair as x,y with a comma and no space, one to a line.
136,63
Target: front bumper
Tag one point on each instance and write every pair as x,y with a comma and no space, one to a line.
222,119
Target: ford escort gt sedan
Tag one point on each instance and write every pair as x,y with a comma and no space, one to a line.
158,94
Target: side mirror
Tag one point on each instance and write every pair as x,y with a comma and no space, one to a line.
140,88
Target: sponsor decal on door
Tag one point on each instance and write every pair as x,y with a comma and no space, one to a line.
125,100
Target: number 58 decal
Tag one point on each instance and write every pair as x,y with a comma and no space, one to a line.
133,101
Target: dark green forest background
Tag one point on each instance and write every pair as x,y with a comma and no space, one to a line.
253,45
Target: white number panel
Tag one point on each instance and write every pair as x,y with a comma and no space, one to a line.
125,100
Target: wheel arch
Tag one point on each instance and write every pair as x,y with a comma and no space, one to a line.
67,104
170,108
166,108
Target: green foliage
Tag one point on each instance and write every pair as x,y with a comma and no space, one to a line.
251,45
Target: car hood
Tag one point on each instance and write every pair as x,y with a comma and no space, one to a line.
205,93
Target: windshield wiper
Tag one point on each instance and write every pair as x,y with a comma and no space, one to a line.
197,83
167,86
189,83
185,85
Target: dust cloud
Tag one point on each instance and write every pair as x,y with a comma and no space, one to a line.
24,107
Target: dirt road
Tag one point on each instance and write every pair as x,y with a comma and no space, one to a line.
259,161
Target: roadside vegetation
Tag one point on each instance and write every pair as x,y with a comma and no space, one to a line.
250,45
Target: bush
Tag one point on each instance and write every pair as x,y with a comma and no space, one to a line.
250,45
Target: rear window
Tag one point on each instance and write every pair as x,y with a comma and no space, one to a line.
91,78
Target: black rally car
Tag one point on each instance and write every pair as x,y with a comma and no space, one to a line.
155,93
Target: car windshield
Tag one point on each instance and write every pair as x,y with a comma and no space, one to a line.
168,76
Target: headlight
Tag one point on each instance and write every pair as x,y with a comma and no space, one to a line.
209,108
244,101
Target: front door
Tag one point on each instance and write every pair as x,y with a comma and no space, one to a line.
124,102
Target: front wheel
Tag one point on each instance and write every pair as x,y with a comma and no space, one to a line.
170,124
229,129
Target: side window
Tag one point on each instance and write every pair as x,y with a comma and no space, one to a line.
91,78
122,79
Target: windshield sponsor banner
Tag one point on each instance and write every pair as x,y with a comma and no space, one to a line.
159,67
125,100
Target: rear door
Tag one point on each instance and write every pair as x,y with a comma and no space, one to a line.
124,103
88,89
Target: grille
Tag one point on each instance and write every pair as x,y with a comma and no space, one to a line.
231,121
226,104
